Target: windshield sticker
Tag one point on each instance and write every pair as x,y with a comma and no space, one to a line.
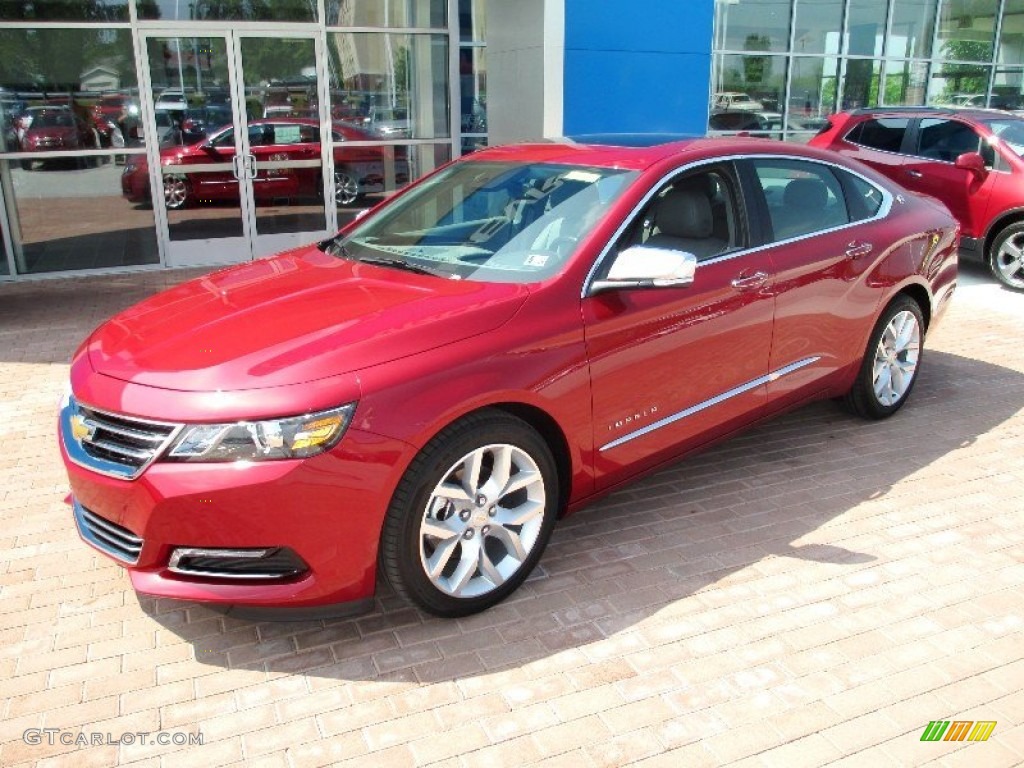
536,260
588,177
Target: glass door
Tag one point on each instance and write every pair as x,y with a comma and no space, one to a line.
233,140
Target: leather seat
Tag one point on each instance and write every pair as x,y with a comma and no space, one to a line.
683,221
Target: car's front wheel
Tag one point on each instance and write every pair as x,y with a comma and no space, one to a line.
472,515
346,187
891,361
176,192
1006,259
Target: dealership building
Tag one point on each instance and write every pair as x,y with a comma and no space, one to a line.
146,134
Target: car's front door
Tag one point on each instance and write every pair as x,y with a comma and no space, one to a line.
672,366
931,170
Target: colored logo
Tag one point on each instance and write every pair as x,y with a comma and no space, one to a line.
958,730
81,429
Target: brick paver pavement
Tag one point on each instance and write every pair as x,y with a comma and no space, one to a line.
814,591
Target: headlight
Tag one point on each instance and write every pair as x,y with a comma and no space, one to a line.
293,438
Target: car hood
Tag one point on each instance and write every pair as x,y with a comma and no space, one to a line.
294,318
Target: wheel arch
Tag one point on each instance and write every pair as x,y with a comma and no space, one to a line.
1005,219
921,296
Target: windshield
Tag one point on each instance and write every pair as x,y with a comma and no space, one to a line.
1010,130
496,222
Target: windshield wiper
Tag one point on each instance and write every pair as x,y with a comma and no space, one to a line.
382,261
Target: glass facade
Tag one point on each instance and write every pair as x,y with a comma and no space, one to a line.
101,109
791,63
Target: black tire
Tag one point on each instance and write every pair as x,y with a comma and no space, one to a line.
1006,256
473,546
864,398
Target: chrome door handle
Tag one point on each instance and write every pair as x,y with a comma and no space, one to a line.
750,282
855,250
915,174
236,167
250,166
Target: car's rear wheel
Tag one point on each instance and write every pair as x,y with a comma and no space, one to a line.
891,362
471,516
176,192
346,187
1006,259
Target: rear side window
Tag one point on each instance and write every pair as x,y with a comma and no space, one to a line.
863,199
883,133
802,197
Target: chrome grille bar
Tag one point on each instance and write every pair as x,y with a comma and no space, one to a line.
110,538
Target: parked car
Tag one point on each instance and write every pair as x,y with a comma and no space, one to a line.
969,159
525,329
731,100
357,170
390,122
198,122
54,130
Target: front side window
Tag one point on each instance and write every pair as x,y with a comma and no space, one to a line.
943,139
488,221
1009,131
882,133
802,197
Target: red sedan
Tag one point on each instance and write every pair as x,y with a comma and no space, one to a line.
520,332
357,170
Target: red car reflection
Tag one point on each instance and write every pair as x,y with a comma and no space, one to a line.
357,170
55,130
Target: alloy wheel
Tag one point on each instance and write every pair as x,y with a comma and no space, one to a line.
175,192
896,358
482,520
1009,261
346,188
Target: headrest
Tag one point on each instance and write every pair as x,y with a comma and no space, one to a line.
685,212
806,193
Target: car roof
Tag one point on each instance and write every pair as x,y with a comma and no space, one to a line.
638,151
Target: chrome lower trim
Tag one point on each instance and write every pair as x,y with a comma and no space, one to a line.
183,553
109,538
754,384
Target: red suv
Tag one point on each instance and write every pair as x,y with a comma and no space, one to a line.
970,159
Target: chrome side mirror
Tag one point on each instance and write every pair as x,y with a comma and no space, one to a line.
641,266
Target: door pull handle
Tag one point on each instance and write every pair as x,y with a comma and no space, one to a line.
915,174
855,250
750,282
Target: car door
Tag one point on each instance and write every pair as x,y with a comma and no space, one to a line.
825,234
672,368
931,170
879,142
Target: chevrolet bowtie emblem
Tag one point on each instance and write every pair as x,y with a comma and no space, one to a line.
81,429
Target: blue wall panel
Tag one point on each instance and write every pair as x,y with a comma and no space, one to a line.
637,66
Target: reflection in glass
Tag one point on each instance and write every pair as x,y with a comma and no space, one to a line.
860,87
913,23
749,83
389,168
865,27
100,11
472,20
71,215
473,79
812,92
284,141
5,268
228,10
818,26
193,113
906,83
752,25
966,30
1008,88
387,13
66,89
961,85
393,86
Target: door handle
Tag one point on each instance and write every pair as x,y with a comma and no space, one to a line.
914,174
855,250
750,282
236,168
250,166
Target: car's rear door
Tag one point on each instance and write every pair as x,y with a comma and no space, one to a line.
825,233
676,367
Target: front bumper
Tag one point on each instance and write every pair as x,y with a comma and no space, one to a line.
327,509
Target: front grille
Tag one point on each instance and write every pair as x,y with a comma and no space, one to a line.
108,537
113,444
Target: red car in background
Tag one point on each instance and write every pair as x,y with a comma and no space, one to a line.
54,129
516,334
357,170
970,159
